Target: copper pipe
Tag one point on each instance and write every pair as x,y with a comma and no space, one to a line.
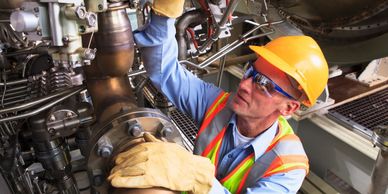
106,77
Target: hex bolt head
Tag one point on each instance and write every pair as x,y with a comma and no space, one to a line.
80,12
104,147
166,131
105,151
91,19
134,130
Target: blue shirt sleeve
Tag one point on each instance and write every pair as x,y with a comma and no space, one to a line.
159,52
286,183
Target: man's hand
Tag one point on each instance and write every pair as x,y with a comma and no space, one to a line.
168,8
162,164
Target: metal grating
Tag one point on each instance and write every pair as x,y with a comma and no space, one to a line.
364,114
185,124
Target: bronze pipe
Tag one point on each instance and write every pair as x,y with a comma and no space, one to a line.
106,77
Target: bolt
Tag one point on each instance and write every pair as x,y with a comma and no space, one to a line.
166,131
52,118
66,39
80,12
51,131
105,151
105,147
69,114
134,130
91,19
90,54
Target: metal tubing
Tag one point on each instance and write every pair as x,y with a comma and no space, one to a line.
10,83
137,72
190,18
42,108
231,47
56,28
35,102
214,37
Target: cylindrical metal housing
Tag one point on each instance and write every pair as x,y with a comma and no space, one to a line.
107,79
24,21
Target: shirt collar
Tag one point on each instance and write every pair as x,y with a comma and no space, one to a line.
262,141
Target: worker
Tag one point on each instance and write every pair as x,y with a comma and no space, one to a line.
244,143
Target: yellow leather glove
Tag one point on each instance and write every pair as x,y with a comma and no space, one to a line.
168,8
162,164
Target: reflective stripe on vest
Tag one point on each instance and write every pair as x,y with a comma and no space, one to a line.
285,152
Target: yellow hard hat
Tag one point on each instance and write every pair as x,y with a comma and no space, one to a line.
301,58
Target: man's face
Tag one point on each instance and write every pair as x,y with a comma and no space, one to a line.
252,102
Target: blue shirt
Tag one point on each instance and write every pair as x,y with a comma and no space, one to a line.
193,96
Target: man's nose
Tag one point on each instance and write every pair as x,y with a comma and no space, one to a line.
246,85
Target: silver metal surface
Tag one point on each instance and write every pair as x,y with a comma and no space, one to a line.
116,130
42,108
230,47
56,28
363,114
24,21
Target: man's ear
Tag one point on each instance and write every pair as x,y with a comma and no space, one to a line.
290,107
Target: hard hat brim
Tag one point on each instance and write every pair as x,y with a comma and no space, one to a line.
283,66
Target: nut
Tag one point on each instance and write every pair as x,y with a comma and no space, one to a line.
134,130
91,19
80,12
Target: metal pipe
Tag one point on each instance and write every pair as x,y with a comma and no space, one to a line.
193,17
35,102
233,46
107,79
42,108
214,37
55,25
137,72
19,88
233,60
10,83
221,66
243,39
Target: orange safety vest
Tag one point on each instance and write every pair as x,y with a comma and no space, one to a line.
285,152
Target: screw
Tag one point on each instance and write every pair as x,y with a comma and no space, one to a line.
134,130
100,7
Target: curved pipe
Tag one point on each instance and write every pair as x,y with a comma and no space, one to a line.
107,78
190,18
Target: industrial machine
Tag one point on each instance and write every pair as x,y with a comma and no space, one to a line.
73,92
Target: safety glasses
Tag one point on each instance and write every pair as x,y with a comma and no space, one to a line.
264,84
